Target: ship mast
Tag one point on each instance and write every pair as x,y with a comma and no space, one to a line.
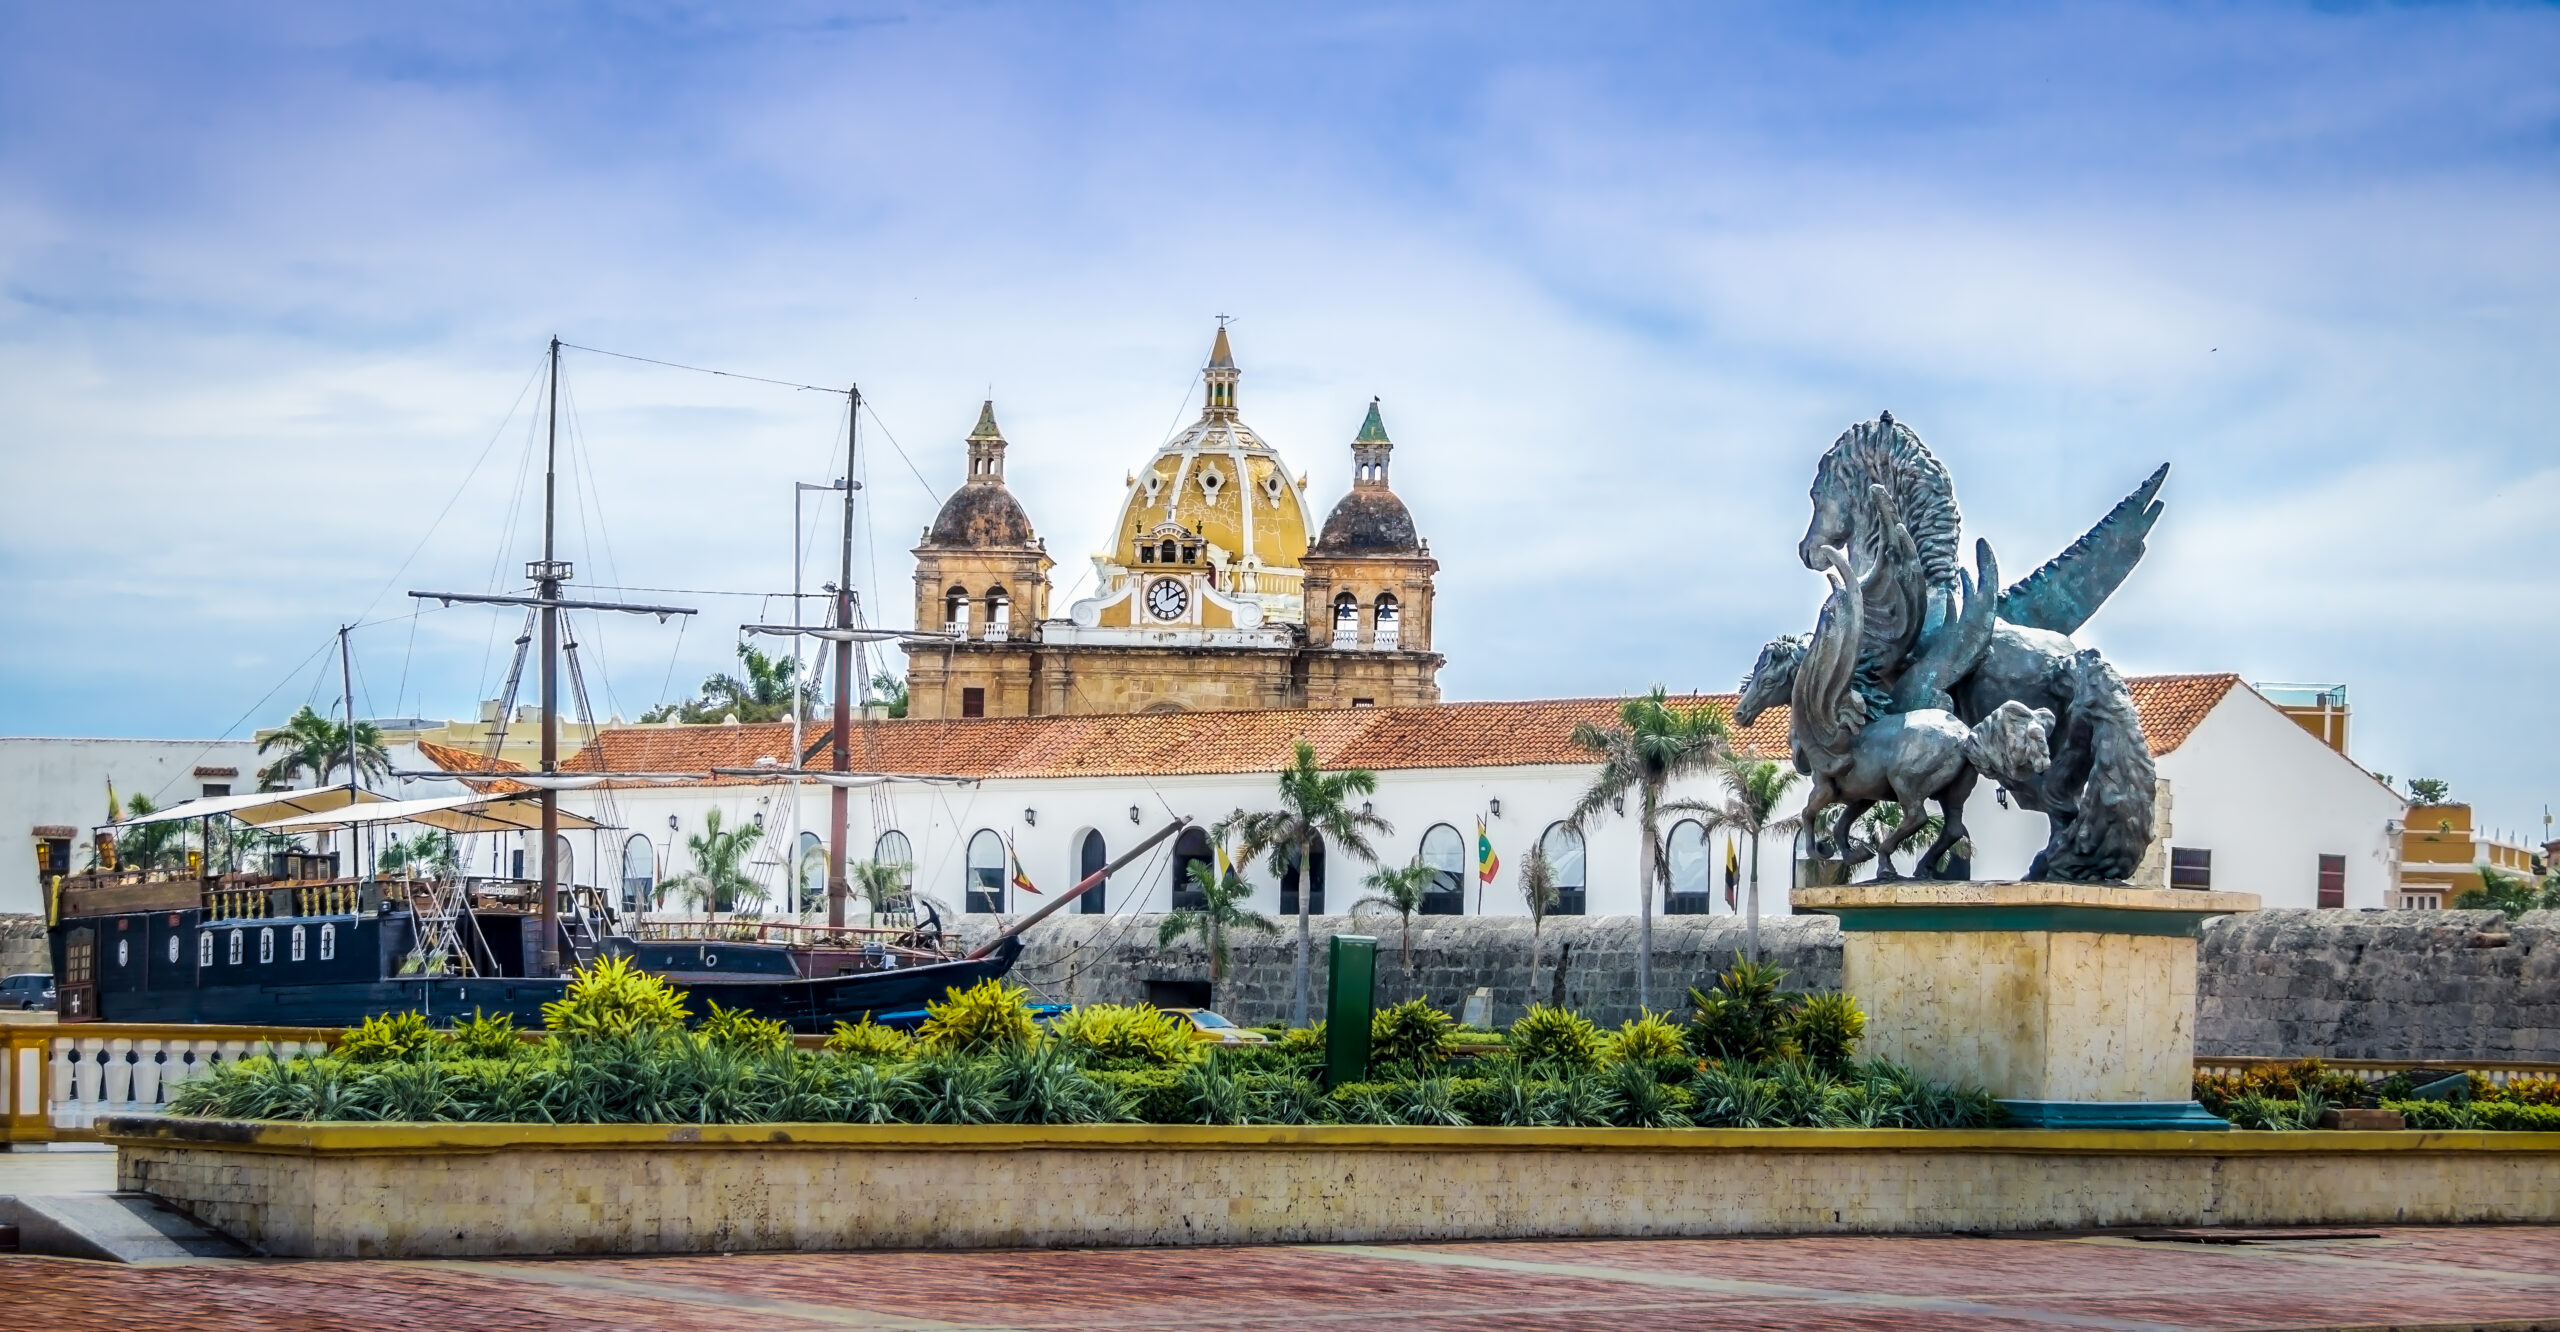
839,799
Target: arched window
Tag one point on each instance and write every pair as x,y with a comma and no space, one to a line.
1189,849
328,942
811,865
639,871
1446,853
1390,623
1685,855
266,945
567,860
1563,846
204,949
985,881
999,614
239,941
1164,552
1092,855
894,849
1346,621
301,944
1289,883
955,610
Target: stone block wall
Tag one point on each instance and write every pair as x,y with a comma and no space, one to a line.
23,946
2344,985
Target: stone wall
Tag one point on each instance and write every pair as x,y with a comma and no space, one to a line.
2345,985
23,946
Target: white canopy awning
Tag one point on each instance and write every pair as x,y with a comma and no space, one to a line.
260,807
454,814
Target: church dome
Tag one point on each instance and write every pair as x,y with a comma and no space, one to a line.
1370,520
982,512
1221,489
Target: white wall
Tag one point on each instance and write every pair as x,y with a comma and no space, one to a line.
50,780
2268,800
2248,784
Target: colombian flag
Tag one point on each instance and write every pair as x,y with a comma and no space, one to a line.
1020,879
1487,863
1732,872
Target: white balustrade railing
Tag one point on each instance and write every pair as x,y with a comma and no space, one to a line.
94,1076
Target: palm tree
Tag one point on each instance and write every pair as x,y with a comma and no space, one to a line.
153,845
1315,807
1538,889
1653,742
2498,891
877,881
315,745
1399,890
766,693
890,688
1222,910
1886,816
1753,790
719,866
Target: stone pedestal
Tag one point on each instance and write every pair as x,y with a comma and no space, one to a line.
2075,1004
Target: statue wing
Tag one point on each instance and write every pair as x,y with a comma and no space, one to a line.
2071,586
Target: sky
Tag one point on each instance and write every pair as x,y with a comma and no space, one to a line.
276,280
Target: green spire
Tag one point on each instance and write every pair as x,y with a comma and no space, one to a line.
1373,430
987,422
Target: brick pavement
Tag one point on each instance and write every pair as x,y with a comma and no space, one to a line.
2495,1277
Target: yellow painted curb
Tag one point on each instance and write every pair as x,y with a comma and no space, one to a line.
368,1139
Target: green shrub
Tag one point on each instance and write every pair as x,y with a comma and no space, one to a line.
1412,1035
987,1018
1148,1095
870,1042
1643,1100
1042,1084
1307,1040
611,997
1645,1039
2493,1116
485,1036
1365,1103
1128,1036
1557,1038
387,1038
733,1029
954,1090
1744,1015
1825,1029
1582,1101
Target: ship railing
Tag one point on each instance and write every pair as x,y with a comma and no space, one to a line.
56,1083
750,929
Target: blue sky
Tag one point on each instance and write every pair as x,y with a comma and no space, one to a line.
271,278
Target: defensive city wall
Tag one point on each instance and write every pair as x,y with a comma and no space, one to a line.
2360,985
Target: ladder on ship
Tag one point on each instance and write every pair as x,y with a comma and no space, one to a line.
439,950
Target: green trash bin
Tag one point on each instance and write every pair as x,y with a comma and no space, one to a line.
1350,999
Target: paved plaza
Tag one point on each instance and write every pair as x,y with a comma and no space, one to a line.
2492,1277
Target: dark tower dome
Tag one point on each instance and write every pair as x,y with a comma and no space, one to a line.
982,512
1370,520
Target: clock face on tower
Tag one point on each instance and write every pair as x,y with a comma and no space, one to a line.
1166,599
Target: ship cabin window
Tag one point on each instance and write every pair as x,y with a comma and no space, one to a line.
301,943
204,949
1564,851
239,943
1446,853
985,882
328,942
267,945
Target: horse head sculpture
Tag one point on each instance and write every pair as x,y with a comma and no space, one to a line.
1771,678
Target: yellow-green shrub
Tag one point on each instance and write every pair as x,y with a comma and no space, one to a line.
387,1038
1826,1028
1128,1034
1648,1037
1556,1036
989,1016
869,1040
484,1036
1411,1035
611,997
732,1029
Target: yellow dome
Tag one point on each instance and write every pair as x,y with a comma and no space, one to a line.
1218,500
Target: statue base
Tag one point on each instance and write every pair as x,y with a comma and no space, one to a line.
2073,1003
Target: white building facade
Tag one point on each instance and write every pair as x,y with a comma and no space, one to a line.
54,790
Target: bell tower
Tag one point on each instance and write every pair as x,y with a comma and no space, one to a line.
982,578
1369,591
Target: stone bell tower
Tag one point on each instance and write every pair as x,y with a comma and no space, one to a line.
1368,592
982,577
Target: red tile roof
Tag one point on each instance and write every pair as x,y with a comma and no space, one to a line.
1447,735
451,759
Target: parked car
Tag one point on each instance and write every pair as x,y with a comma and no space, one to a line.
30,991
1208,1026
